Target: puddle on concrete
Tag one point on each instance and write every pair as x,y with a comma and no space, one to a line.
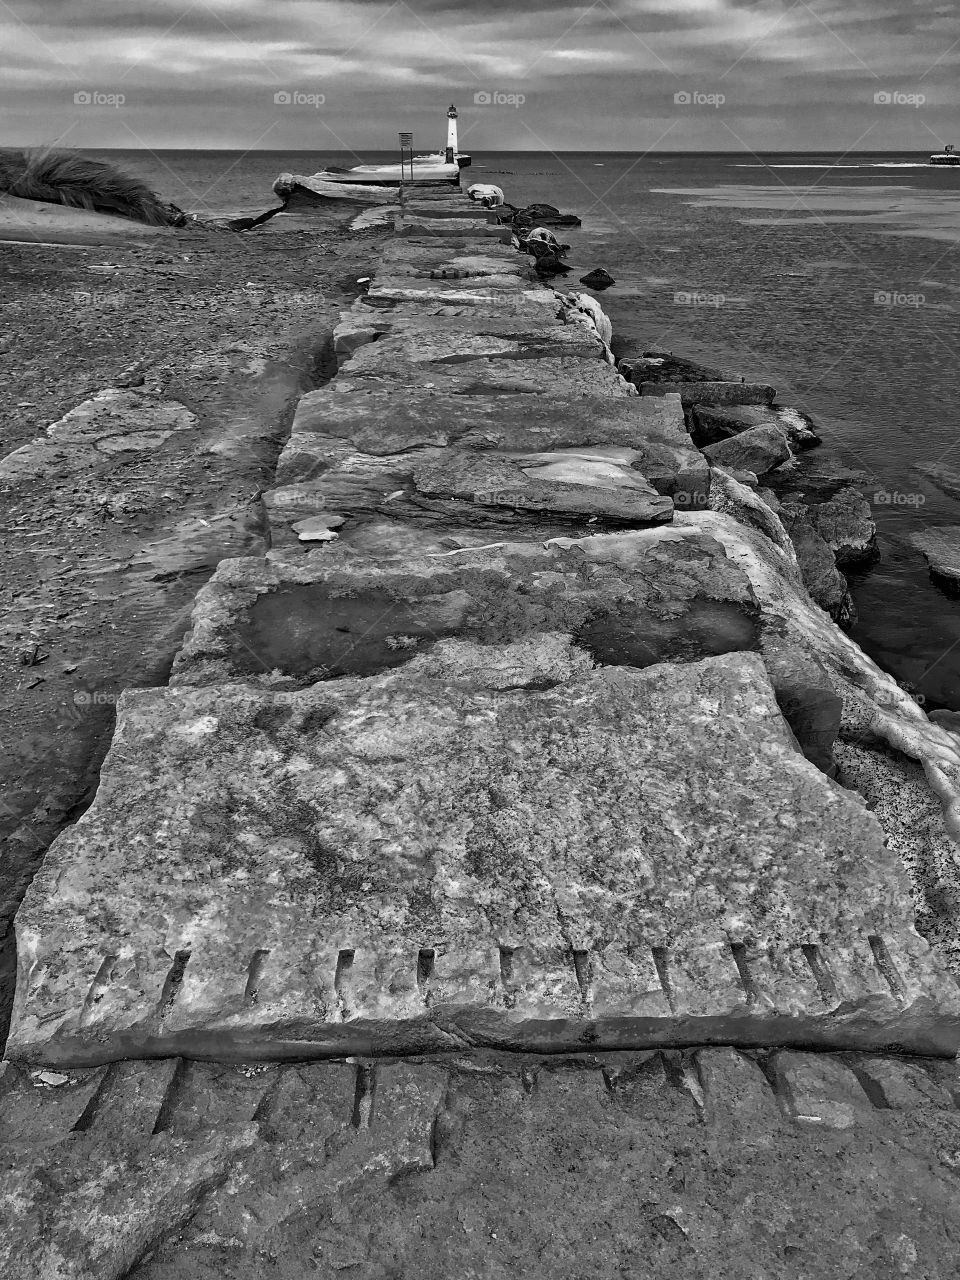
303,630
707,628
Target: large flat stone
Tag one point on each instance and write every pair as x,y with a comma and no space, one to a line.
941,550
429,338
581,483
477,291
539,306
498,846
357,455
113,421
633,600
722,393
392,354
464,259
486,376
423,225
356,450
758,449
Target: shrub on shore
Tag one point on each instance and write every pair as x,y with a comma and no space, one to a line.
67,177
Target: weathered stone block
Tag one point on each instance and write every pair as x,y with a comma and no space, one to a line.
345,868
820,1090
902,1085
941,549
847,526
758,449
571,483
629,600
713,392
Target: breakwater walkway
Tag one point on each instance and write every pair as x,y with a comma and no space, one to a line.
519,872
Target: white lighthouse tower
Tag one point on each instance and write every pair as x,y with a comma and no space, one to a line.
451,153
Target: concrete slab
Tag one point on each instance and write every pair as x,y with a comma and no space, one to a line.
280,623
418,225
381,424
461,209
598,484
539,306
413,342
492,845
411,254
487,376
481,289
421,333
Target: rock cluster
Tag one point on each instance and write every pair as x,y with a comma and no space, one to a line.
739,426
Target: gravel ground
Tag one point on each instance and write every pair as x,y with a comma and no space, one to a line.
101,566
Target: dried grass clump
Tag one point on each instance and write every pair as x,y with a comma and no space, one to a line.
67,177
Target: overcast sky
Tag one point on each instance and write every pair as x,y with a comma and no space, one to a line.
525,74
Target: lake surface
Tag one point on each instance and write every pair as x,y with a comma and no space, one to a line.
835,278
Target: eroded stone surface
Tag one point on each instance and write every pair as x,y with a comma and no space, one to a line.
818,564
113,421
941,549
497,844
758,449
718,393
633,601
484,375
846,524
570,483
356,450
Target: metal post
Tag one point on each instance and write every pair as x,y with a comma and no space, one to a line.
406,140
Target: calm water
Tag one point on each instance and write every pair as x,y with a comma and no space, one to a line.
838,280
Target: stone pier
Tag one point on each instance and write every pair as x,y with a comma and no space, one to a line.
516,821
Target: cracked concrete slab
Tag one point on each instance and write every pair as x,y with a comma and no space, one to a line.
356,454
278,622
492,845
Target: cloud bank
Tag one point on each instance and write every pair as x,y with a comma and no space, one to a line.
546,75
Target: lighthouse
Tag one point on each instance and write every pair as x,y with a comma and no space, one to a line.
451,154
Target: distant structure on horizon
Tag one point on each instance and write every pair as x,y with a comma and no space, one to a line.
451,134
946,156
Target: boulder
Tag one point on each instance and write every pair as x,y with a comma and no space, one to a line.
721,393
810,704
941,548
847,526
758,449
711,424
548,264
579,486
738,500
664,366
598,279
817,477
818,567
798,427
633,600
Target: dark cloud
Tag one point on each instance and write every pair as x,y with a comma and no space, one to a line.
793,73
